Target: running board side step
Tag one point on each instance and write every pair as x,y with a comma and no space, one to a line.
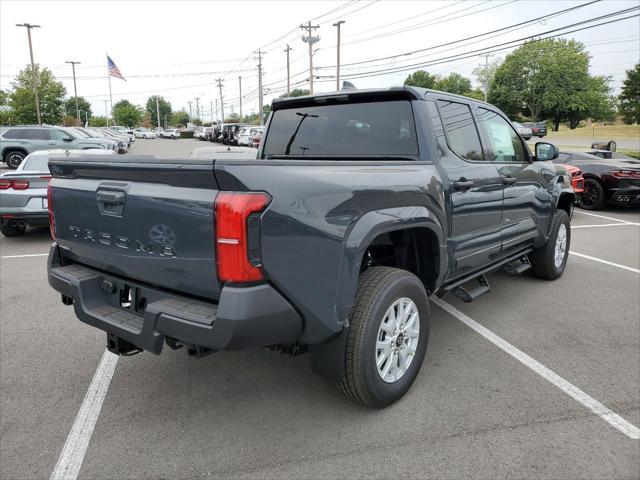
517,266
469,296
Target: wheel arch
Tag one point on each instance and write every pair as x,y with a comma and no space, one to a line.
418,222
7,150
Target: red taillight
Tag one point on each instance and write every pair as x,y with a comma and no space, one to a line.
232,212
20,184
5,183
626,174
52,220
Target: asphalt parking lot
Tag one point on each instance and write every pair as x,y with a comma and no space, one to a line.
478,409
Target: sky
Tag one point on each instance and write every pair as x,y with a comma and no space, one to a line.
179,49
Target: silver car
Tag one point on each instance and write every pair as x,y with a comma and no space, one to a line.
23,192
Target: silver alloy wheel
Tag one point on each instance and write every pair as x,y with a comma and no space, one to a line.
561,245
397,340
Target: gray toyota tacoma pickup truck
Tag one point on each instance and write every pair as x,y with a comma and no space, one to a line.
359,205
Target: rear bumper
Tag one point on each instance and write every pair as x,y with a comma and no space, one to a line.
244,317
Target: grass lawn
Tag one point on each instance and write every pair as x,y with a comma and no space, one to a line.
598,131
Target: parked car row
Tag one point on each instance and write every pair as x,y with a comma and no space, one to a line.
16,142
236,134
23,192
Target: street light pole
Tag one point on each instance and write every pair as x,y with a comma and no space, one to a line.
240,86
158,112
106,112
28,26
337,24
75,89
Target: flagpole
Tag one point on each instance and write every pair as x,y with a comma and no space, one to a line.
110,97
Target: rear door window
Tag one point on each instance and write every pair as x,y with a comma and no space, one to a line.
460,129
36,134
352,129
37,163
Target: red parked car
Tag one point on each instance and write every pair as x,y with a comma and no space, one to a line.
577,180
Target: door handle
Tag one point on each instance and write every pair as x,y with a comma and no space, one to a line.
463,184
509,180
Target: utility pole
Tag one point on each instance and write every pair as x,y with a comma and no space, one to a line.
211,108
337,24
260,92
75,89
287,50
221,99
217,118
106,112
197,99
486,74
28,26
310,39
190,102
240,85
157,112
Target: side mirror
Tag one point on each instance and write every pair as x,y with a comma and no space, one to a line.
67,139
546,151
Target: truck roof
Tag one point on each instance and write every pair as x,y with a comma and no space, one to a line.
349,94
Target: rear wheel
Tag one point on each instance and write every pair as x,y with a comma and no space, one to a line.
548,261
14,158
12,231
387,338
592,198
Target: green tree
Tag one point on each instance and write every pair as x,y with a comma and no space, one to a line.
549,79
592,100
453,83
232,118
165,110
251,119
476,94
50,93
629,99
296,92
98,121
127,114
83,105
4,98
422,79
179,118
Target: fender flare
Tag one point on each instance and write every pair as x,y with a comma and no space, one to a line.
327,359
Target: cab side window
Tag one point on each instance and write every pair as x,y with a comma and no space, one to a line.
460,129
504,143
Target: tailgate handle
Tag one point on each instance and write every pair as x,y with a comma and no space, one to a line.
111,202
111,197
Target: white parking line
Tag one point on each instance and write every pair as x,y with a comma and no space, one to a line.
574,392
573,227
75,447
606,262
24,256
601,216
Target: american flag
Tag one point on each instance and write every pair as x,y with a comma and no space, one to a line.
113,70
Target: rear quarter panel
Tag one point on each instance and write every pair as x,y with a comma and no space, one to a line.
316,228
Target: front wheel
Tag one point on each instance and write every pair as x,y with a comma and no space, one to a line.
549,261
387,337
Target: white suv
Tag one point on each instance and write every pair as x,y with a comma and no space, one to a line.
172,133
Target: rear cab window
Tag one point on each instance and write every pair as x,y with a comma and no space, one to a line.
460,130
37,163
371,129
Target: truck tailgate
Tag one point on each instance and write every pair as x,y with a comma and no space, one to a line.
145,219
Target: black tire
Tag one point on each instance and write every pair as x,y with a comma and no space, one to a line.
540,136
14,158
9,231
378,289
592,198
543,263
